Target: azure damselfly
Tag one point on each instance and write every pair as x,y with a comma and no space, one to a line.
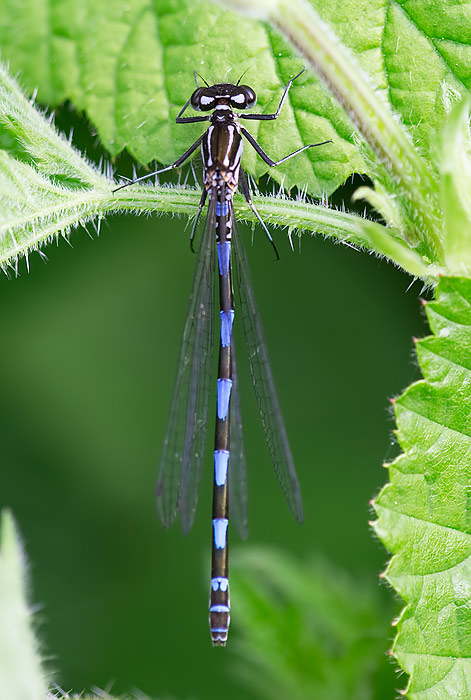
185,439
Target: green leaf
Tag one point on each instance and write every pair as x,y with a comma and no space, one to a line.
306,629
456,188
423,82
21,675
129,65
424,514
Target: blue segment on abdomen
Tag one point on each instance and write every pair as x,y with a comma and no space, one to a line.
220,530
227,319
222,210
219,608
224,257
223,397
221,461
220,583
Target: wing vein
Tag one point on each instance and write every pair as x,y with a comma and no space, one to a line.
265,392
185,438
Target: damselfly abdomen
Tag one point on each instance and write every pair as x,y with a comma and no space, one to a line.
182,457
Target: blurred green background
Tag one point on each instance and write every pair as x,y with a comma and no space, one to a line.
90,341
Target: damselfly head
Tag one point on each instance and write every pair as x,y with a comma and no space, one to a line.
237,96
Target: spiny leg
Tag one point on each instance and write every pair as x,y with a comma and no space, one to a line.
204,194
275,115
246,192
174,165
267,159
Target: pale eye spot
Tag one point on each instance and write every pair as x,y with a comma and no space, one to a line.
205,100
238,99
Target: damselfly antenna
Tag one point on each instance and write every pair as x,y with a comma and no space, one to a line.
244,73
197,75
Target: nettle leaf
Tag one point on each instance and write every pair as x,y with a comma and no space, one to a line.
129,65
424,516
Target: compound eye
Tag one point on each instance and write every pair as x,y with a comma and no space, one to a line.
195,99
201,101
249,96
